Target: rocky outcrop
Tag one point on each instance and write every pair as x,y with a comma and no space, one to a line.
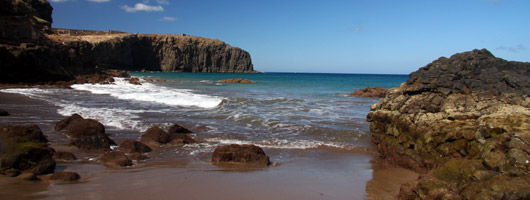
24,149
133,146
116,159
466,119
29,54
247,155
236,80
373,92
86,134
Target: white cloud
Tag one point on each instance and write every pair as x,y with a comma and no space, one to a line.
168,19
515,49
164,2
99,1
143,7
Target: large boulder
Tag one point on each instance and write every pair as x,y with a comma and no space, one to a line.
24,149
248,155
65,176
372,92
470,111
133,146
156,136
86,134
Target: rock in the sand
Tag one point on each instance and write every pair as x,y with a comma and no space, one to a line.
65,176
248,155
155,136
236,80
138,156
134,81
133,146
116,159
24,148
86,134
64,156
373,92
466,119
3,113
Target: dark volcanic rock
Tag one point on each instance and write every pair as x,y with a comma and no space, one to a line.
376,92
249,155
87,134
155,136
65,176
20,133
133,146
64,156
466,118
116,159
176,129
3,113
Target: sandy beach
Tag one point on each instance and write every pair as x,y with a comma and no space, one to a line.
312,174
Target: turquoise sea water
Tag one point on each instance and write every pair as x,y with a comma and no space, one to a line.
279,111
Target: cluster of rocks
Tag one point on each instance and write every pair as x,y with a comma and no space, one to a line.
237,80
372,92
464,121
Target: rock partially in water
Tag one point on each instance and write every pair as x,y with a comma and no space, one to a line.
116,159
63,156
236,80
24,149
65,176
133,146
466,118
86,134
373,92
3,113
248,155
156,136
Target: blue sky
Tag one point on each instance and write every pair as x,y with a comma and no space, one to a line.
355,36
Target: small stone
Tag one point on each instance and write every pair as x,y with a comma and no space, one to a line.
115,159
65,176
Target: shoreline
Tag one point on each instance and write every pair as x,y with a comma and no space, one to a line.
331,173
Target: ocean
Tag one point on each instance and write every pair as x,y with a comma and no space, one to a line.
279,111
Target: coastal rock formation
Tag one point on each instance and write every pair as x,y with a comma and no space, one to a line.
377,92
24,149
248,155
155,136
237,80
133,146
467,120
116,159
87,134
3,113
30,53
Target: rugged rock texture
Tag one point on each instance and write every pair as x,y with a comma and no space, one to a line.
29,54
86,134
65,176
466,118
236,80
248,155
377,92
24,149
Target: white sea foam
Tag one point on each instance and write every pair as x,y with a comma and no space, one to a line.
284,143
149,92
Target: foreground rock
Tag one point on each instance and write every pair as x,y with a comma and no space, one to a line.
24,149
465,119
3,113
373,92
237,80
247,155
116,159
86,134
155,136
133,146
65,176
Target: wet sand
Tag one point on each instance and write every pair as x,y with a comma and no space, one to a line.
321,173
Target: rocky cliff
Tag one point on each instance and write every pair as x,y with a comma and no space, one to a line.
466,121
31,53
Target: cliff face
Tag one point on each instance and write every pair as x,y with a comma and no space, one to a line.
30,54
466,120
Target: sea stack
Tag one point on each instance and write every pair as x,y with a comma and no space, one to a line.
466,119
